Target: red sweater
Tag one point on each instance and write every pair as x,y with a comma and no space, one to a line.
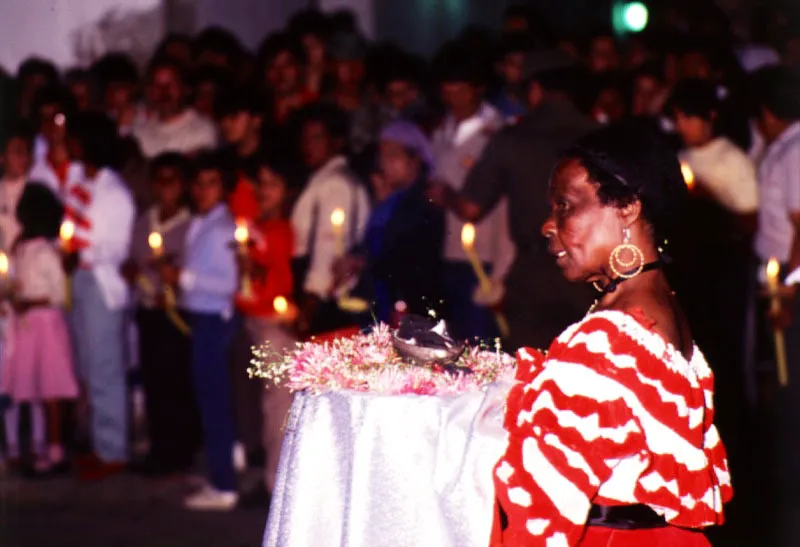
271,255
612,415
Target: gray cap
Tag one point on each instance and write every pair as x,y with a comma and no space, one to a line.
539,62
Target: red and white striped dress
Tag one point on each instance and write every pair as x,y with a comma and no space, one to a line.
611,415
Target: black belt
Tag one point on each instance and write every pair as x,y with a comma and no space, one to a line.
625,517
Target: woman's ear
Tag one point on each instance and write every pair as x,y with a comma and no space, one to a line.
631,212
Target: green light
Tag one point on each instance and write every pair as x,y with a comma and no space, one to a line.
634,16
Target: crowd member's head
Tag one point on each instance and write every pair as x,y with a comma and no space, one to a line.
311,26
33,74
274,183
216,47
53,108
778,101
283,62
214,178
207,84
323,133
166,89
649,90
401,84
790,49
347,53
695,105
81,86
621,178
119,79
462,81
177,48
39,212
17,153
550,75
511,59
169,175
405,155
695,60
609,102
93,141
518,19
603,53
240,116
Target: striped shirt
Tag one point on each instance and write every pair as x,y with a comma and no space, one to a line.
779,184
613,415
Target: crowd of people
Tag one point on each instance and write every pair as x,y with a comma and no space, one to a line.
221,198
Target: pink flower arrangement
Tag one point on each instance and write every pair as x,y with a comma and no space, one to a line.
367,362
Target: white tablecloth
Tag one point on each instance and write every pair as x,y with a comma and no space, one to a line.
370,470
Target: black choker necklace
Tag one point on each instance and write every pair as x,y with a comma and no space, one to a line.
612,285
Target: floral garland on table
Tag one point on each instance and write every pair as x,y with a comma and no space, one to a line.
368,362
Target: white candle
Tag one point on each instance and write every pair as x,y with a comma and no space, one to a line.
773,284
468,242
66,233
281,305
337,222
688,175
242,237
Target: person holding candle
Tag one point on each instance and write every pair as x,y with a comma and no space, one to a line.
611,434
400,256
262,411
39,368
331,186
159,235
51,160
99,205
207,280
458,144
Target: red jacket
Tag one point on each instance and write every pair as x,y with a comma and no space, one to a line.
271,255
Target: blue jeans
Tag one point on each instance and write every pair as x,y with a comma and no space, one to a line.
99,343
465,318
211,342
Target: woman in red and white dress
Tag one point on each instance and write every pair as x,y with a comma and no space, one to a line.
611,433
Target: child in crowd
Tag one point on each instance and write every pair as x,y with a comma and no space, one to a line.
208,281
39,368
269,266
172,421
16,164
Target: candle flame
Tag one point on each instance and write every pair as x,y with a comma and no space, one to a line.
4,265
155,240
468,235
337,217
67,230
688,175
773,269
281,305
241,235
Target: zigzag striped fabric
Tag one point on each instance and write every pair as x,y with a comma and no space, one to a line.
611,415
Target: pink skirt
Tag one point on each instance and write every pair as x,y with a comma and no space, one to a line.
38,364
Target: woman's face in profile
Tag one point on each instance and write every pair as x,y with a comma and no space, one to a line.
581,230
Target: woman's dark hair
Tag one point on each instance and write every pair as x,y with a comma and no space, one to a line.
335,121
695,98
115,68
39,212
281,166
98,139
629,161
35,66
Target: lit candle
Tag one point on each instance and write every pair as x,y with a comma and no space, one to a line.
66,233
688,175
156,243
4,265
773,284
337,221
242,237
468,242
281,305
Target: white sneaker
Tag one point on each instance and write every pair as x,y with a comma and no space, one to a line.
211,499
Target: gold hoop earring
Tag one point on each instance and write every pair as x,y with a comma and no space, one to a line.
621,267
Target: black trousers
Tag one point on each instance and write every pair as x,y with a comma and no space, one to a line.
172,417
247,392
